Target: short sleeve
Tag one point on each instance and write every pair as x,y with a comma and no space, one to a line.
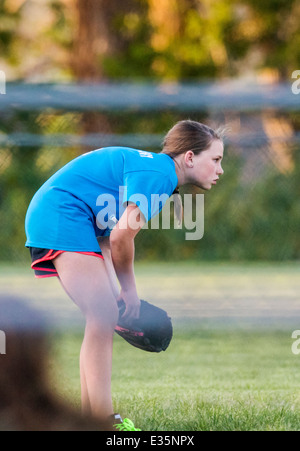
149,190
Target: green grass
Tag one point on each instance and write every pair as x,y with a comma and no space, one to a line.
208,380
230,364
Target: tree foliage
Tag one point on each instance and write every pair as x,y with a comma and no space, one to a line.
166,40
169,39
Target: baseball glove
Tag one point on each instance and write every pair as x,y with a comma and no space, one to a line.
151,332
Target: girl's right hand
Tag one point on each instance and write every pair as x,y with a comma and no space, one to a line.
132,303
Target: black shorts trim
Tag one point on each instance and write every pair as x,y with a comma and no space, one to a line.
42,261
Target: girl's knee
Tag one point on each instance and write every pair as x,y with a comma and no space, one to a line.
103,315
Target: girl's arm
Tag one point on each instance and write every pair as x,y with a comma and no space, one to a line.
122,252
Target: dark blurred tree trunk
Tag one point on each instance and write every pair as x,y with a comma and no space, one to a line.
96,36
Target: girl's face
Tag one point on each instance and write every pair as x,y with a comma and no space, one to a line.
204,170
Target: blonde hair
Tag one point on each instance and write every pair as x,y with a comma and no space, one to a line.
184,136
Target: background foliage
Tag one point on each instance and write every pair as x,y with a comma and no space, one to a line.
254,212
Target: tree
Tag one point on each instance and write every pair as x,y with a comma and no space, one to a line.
100,35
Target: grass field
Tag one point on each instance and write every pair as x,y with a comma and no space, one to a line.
230,365
207,380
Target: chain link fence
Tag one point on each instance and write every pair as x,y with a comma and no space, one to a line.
253,213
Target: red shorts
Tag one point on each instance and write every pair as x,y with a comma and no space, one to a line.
42,261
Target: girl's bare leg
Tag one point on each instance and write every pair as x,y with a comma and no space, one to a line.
86,281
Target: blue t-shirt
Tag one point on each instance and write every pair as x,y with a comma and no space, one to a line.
87,197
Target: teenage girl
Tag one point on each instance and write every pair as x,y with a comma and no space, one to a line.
92,253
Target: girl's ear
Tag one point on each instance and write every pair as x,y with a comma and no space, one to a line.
189,158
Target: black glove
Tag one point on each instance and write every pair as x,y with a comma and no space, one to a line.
151,332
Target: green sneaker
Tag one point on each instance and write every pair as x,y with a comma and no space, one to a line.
126,425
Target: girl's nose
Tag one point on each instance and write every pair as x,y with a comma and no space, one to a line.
220,171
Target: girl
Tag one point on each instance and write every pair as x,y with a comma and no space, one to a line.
92,253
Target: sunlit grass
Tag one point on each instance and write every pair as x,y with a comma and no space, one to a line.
206,380
230,364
